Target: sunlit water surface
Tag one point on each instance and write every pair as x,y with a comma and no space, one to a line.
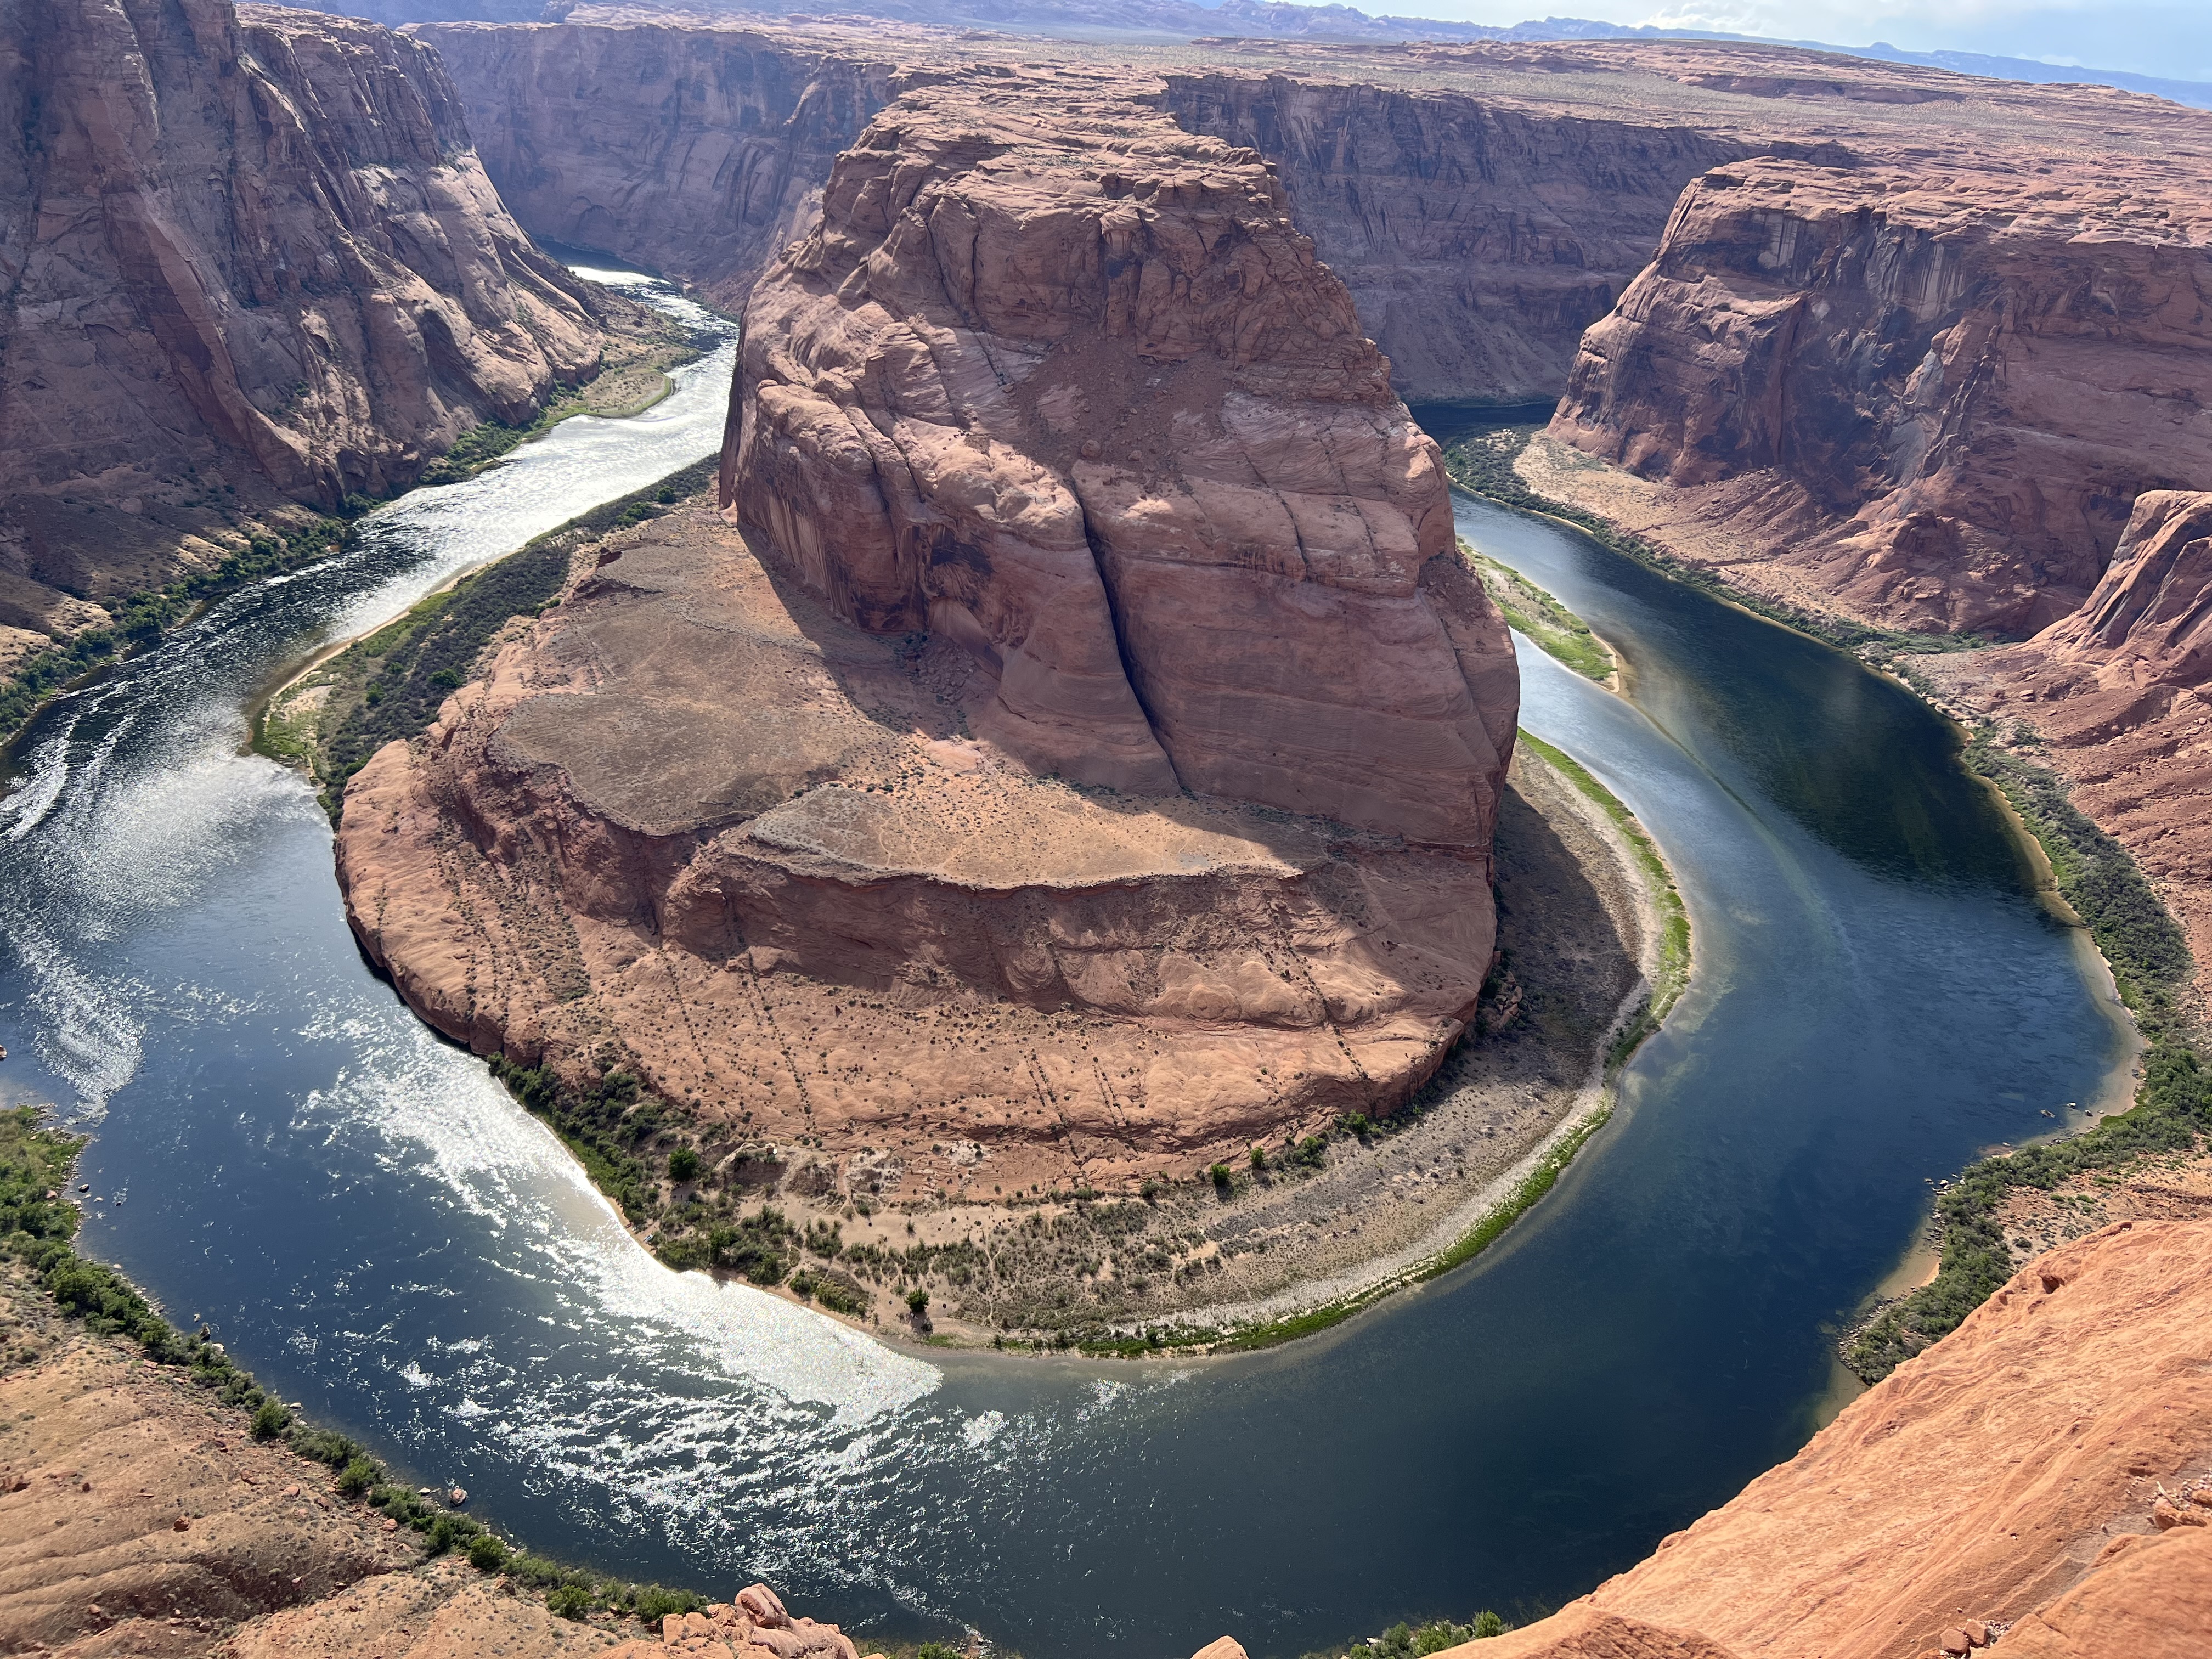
373,1227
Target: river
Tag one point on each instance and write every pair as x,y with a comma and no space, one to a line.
282,1152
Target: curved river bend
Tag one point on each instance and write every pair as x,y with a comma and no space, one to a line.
375,1229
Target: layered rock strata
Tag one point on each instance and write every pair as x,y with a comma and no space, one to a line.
1478,239
249,260
1087,813
1932,400
708,146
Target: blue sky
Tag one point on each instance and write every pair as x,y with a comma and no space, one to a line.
2170,38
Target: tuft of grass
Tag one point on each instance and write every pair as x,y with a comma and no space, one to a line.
1408,1641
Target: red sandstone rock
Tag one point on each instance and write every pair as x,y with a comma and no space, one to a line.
1252,593
2122,691
883,926
1479,235
2145,1598
250,258
1867,1543
1935,397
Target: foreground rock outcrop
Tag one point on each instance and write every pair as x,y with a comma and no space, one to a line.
251,266
1123,733
2040,1479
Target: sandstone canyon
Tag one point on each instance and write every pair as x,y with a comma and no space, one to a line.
1123,734
253,267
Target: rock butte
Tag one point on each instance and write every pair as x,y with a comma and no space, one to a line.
252,263
1123,731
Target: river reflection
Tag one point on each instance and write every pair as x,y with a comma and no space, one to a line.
380,1232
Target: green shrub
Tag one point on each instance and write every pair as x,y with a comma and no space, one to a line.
937,1651
1488,1624
487,1553
917,1302
683,1164
536,1572
1220,1173
272,1420
569,1601
450,1531
652,1603
357,1477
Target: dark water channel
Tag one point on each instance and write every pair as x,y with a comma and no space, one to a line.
372,1225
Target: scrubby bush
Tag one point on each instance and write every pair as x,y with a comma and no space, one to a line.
652,1603
487,1553
569,1601
270,1421
683,1164
357,1477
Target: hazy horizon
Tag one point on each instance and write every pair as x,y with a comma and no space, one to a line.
2169,39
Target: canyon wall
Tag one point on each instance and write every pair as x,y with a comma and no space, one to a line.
2121,692
1124,732
698,152
1478,239
1934,398
249,260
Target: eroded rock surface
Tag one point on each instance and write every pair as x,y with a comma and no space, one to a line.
1479,237
1064,384
2122,691
1121,732
2011,1484
251,260
1928,401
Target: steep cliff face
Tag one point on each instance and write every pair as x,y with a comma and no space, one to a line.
1933,398
1478,239
1062,463
250,258
1112,426
697,151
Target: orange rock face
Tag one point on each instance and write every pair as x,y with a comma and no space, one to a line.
250,257
2005,1486
2122,690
